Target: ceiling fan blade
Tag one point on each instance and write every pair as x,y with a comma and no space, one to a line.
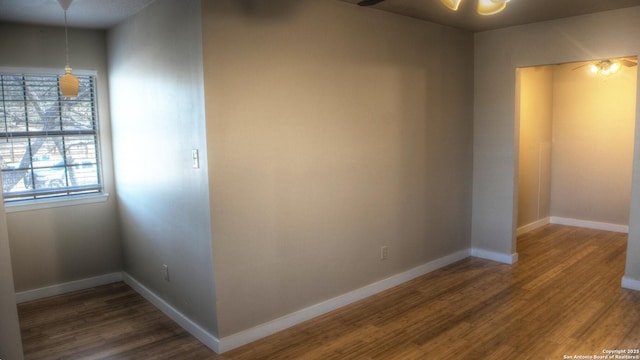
369,2
629,63
581,66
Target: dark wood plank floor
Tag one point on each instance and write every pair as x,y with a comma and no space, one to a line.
562,298
106,322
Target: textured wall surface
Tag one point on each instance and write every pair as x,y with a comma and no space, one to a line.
333,130
62,244
156,83
497,55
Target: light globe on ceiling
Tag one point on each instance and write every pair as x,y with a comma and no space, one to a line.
491,7
452,4
605,67
485,7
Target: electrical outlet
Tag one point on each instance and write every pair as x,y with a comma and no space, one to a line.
384,253
165,272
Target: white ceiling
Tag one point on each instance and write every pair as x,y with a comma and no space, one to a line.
518,12
102,14
94,14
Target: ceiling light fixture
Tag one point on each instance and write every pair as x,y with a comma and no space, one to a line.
485,7
490,7
608,67
69,84
605,67
452,4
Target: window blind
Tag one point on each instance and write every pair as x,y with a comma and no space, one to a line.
48,143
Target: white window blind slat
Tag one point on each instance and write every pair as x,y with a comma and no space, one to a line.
48,143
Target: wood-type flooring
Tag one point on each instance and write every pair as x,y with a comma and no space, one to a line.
562,300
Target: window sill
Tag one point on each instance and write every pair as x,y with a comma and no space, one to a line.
39,204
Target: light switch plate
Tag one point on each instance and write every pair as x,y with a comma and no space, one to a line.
195,155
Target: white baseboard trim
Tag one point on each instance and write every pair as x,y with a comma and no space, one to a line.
494,256
59,289
534,225
194,329
590,224
247,336
629,283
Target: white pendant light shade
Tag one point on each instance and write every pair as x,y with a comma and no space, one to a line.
452,4
490,7
69,84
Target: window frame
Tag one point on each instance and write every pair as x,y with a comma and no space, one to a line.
69,199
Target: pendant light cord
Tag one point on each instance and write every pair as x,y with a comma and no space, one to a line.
66,38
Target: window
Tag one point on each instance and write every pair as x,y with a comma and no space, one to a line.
48,143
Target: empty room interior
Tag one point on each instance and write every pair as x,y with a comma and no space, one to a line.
319,179
576,141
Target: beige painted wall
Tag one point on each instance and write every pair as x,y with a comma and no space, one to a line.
593,132
332,130
535,118
156,83
58,245
497,55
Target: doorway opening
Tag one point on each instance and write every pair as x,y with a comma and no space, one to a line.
576,139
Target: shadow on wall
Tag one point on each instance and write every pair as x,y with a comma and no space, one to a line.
267,10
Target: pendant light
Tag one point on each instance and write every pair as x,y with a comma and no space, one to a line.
485,7
69,84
